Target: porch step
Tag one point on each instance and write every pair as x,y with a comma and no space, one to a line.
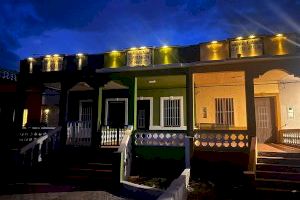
278,172
90,167
279,154
277,184
277,167
279,160
278,175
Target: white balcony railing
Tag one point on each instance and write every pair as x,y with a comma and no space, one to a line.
79,133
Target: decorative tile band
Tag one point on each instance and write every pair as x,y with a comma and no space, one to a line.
220,140
159,139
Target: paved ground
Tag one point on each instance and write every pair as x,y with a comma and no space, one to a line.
86,195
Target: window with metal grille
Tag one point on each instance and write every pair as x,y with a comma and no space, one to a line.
85,110
171,112
224,111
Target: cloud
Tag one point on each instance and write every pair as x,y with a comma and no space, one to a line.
41,26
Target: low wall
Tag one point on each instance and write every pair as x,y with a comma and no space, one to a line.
137,191
178,188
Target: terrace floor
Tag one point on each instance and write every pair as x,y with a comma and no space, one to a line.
280,148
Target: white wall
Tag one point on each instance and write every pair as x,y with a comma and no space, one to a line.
290,97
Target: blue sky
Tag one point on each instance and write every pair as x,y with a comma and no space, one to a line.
38,27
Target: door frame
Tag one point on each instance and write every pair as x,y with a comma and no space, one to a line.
151,110
275,111
116,99
80,107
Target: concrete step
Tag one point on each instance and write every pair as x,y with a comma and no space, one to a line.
277,167
273,194
279,160
277,184
278,175
279,154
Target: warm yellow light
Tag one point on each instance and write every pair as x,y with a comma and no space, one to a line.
252,36
114,51
214,42
239,38
279,35
25,116
165,46
143,47
30,59
79,54
55,55
133,48
48,56
47,111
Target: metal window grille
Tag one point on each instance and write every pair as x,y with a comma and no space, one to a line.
224,111
172,113
141,119
86,111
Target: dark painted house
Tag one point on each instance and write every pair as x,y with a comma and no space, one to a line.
216,99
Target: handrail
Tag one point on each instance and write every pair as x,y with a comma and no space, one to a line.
126,155
253,155
39,140
52,136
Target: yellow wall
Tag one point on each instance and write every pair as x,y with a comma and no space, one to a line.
209,86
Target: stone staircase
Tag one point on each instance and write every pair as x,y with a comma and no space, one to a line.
72,169
89,168
278,172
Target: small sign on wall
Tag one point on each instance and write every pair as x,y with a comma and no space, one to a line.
291,112
204,112
139,57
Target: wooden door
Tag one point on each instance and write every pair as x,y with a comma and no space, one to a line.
265,123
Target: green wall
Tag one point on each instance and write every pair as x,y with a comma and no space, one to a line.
156,94
115,59
159,152
166,55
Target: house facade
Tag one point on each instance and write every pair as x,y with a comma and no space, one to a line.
220,94
8,83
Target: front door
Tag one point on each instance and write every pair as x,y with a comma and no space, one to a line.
116,113
143,114
265,119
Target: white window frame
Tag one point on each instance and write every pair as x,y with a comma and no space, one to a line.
162,127
80,107
116,99
151,110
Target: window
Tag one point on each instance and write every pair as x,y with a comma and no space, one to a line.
85,110
224,111
172,111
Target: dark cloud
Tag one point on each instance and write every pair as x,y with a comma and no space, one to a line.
66,26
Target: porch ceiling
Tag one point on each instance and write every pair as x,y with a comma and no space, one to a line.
156,82
219,79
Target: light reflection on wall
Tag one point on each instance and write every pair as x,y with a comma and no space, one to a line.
279,48
52,63
166,52
215,50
